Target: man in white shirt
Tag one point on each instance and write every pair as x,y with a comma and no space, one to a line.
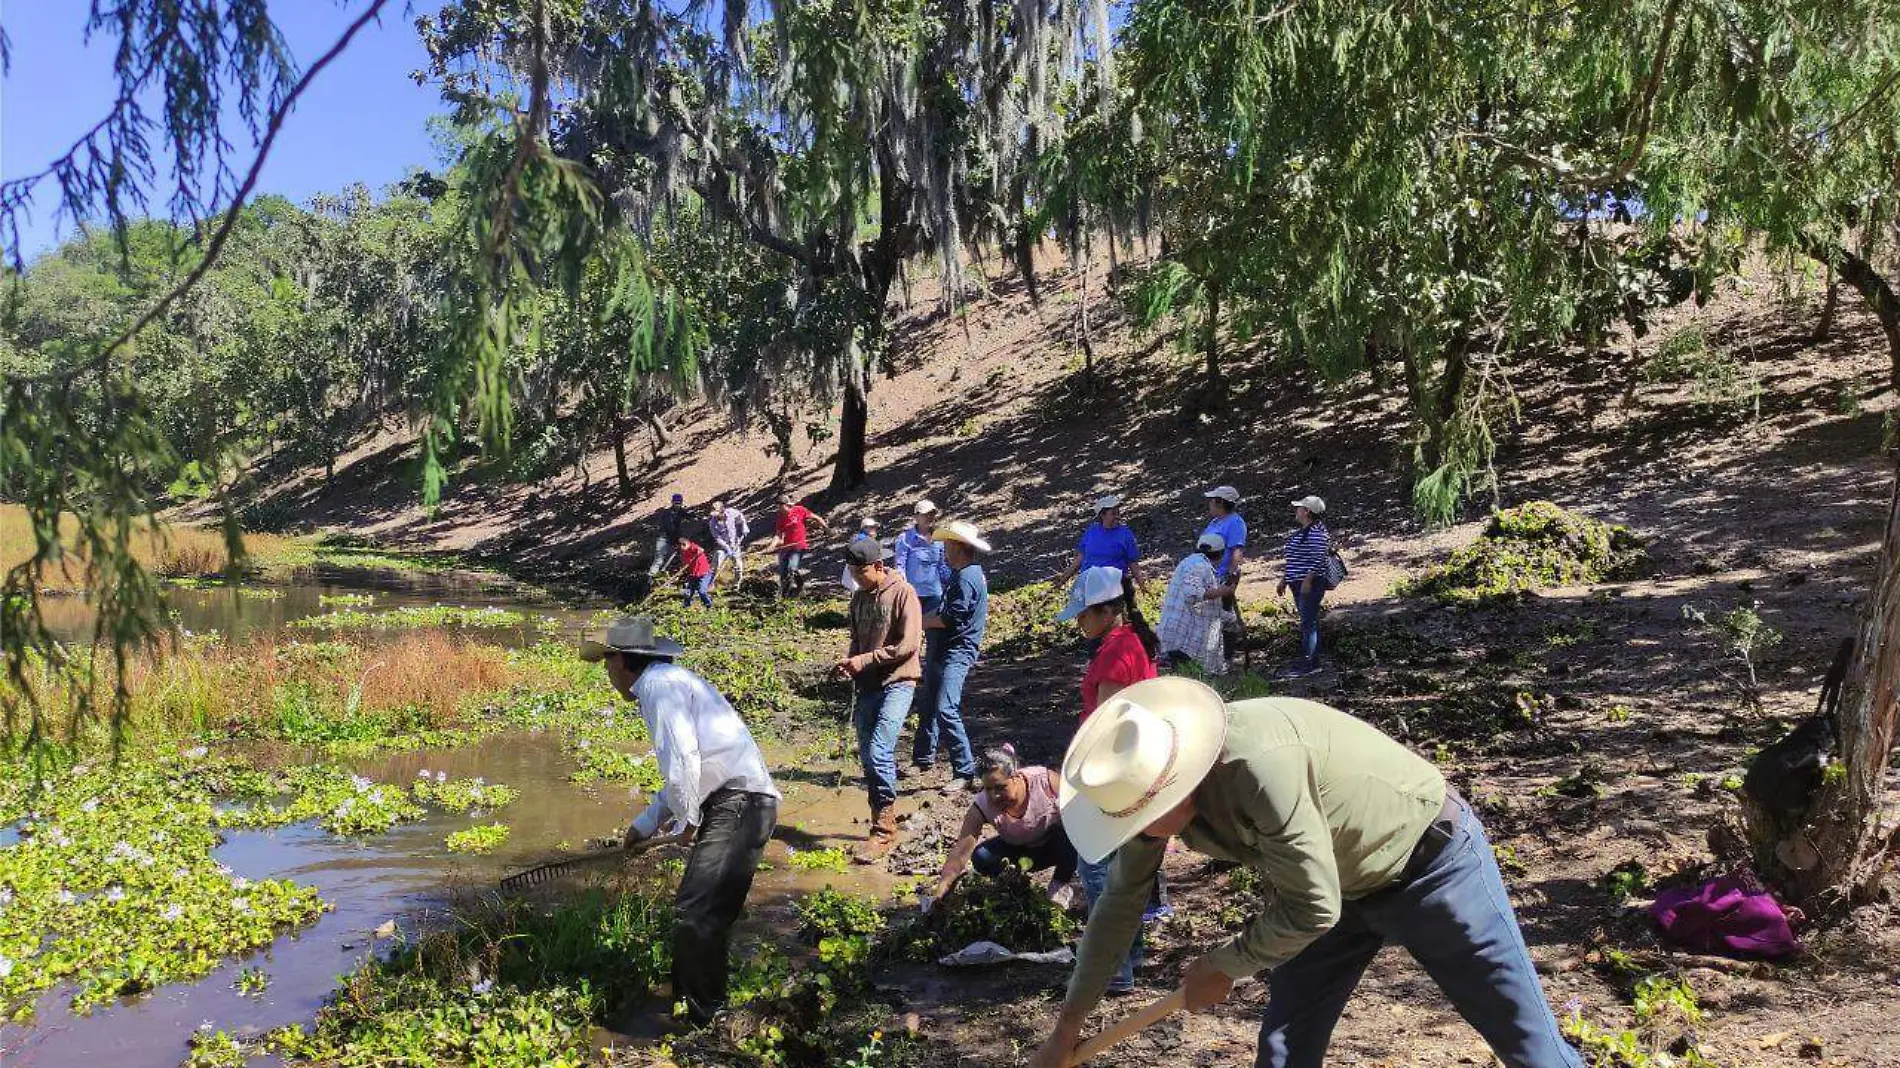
718,796
1191,612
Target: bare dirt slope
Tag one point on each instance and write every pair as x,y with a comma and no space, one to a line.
1591,726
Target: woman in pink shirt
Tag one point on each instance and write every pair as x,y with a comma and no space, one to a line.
1021,804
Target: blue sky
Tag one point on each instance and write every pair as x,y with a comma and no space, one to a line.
362,120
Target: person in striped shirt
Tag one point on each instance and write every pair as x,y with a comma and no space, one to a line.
1306,551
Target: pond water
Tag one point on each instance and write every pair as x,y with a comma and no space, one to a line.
408,875
237,611
405,876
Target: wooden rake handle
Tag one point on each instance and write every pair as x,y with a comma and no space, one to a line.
1143,1018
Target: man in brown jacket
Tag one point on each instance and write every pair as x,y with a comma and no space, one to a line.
887,626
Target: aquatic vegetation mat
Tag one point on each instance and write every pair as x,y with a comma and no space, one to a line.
112,888
485,838
414,617
1525,549
510,986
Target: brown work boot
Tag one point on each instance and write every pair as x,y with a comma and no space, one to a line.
883,837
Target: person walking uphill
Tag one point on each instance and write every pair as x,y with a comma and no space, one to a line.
883,665
792,543
717,791
1360,838
671,522
729,532
953,640
1307,550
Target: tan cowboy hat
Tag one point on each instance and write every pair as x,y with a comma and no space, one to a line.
628,634
1142,753
959,530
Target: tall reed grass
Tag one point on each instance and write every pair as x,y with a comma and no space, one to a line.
173,552
192,686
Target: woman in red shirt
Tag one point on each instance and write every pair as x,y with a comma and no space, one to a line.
1104,608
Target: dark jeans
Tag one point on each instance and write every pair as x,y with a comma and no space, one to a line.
1456,921
940,712
698,589
733,829
1308,603
1054,851
879,717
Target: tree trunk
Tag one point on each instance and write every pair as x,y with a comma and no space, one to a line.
1825,325
621,474
1435,401
1210,342
1082,330
1837,855
661,438
1875,289
848,473
780,425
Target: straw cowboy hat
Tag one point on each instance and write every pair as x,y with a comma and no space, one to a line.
1142,753
628,634
959,530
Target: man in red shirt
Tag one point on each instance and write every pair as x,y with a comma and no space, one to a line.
793,543
696,573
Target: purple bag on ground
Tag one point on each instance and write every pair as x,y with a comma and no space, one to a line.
1725,916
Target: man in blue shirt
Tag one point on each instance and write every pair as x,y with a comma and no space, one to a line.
955,639
1106,543
920,558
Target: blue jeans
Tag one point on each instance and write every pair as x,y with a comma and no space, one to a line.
662,555
700,588
941,712
1308,603
879,716
1094,882
1456,921
789,561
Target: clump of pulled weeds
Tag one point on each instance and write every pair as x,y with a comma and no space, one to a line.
1528,548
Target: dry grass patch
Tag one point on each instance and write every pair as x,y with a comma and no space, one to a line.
172,552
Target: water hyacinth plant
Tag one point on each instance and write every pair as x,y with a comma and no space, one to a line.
112,888
485,838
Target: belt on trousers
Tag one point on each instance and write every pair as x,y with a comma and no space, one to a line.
1437,836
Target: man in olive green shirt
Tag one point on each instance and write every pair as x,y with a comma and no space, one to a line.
1359,838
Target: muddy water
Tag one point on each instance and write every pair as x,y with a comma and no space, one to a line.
405,876
265,608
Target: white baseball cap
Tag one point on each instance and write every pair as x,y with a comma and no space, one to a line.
869,522
1103,504
1097,585
1212,541
924,507
1225,493
1311,504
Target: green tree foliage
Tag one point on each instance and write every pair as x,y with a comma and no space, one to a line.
845,137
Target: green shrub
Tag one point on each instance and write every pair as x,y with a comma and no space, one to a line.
1528,548
1009,909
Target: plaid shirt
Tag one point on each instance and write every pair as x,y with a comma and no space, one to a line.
1189,622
